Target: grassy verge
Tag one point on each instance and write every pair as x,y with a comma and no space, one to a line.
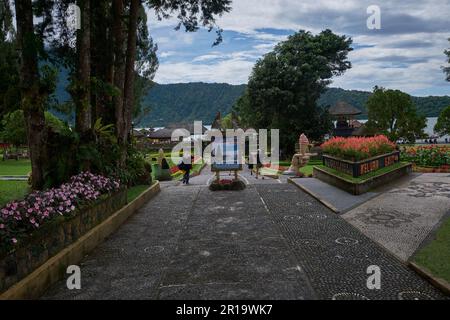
436,256
136,191
15,167
308,169
12,190
196,168
361,179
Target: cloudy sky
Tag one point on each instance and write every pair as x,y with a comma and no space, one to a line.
406,53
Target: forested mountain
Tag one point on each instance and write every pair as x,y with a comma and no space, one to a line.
186,102
429,106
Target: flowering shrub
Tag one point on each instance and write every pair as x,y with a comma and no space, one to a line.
427,156
356,149
19,218
225,181
227,185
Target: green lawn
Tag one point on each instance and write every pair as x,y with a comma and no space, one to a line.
136,191
436,256
12,190
308,169
15,167
360,179
196,168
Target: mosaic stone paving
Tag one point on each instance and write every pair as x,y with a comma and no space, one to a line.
271,241
335,256
403,218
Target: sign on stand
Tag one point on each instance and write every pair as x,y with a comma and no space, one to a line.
226,157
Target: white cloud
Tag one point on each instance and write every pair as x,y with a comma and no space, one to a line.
233,71
407,53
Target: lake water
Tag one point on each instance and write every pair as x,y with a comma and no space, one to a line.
431,122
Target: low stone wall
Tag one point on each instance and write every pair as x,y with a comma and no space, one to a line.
53,237
361,187
359,168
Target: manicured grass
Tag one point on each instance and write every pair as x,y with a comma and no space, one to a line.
364,177
12,190
196,168
308,169
136,191
284,163
436,256
15,167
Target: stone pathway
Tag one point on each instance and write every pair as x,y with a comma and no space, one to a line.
340,200
402,218
270,241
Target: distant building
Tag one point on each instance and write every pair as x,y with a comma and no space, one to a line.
344,114
163,137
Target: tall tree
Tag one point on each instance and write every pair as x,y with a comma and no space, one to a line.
33,94
119,68
443,124
286,83
82,94
128,95
393,113
447,68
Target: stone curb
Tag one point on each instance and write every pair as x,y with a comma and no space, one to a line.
439,283
315,196
36,283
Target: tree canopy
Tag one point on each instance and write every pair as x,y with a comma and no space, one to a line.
443,123
393,113
447,68
111,60
286,83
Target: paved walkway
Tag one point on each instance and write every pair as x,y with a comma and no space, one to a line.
270,241
340,200
403,217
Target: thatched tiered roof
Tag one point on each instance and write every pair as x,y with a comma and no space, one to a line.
342,108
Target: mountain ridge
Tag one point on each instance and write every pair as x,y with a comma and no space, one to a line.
189,101
186,102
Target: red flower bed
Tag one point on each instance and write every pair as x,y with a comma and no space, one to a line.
357,149
428,156
225,181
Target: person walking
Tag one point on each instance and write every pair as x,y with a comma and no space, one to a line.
250,164
259,164
186,166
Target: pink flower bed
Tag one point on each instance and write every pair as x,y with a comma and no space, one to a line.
19,218
357,149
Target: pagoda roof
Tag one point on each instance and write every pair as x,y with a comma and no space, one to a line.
342,108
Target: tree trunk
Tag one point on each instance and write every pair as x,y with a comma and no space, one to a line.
102,61
130,73
32,100
83,92
119,72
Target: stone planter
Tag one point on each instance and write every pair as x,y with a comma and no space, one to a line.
357,188
53,237
359,168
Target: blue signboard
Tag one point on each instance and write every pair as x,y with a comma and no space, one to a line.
230,157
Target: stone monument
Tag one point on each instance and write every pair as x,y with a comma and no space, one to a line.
299,159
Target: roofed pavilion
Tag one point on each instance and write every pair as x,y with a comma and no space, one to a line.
345,114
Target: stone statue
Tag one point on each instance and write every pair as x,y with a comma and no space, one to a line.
161,156
299,159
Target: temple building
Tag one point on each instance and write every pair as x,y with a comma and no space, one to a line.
344,115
